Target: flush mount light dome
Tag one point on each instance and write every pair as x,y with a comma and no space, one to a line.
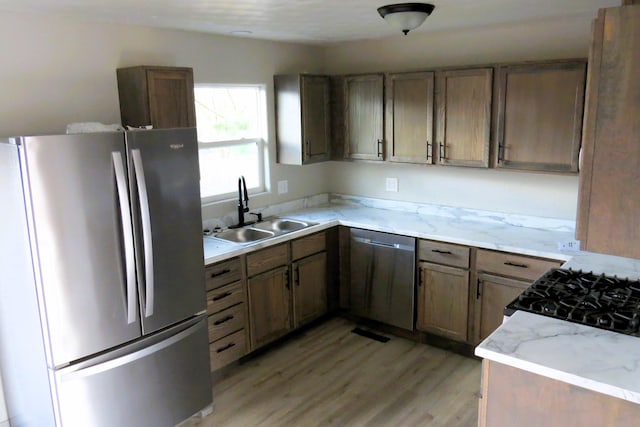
406,16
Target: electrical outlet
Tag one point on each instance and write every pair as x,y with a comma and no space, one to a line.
283,187
392,184
569,245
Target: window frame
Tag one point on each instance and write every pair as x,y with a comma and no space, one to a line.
261,141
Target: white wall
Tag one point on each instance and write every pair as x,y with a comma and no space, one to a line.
57,71
3,410
514,192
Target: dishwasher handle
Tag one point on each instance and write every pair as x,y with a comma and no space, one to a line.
397,246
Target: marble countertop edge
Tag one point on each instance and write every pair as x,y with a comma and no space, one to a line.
555,374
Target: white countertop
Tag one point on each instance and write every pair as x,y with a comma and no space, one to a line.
593,358
550,347
510,233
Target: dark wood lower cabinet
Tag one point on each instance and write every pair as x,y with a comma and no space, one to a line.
269,306
310,288
443,300
513,397
494,293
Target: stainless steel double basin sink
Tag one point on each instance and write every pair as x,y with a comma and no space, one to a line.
261,230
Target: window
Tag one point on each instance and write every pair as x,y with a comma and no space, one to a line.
231,134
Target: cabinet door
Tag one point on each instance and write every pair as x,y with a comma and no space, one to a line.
540,116
443,301
171,101
463,116
310,288
269,306
609,198
315,118
364,117
409,115
493,294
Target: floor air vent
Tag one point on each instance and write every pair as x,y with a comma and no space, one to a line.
371,335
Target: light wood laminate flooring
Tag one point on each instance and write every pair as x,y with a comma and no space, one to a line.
328,376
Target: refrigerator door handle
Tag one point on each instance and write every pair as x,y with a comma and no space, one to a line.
81,370
145,219
127,234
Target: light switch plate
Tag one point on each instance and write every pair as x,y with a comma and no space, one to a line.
283,187
392,184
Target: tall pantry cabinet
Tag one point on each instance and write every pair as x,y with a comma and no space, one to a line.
609,197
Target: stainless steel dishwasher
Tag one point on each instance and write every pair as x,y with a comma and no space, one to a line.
382,277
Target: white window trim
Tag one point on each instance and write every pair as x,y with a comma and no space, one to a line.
262,143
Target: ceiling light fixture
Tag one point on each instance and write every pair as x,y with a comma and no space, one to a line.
406,16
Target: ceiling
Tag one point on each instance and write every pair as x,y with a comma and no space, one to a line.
306,21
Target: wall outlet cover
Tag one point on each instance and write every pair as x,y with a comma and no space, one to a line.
569,245
392,184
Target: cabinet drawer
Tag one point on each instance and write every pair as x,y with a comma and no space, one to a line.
266,259
224,297
228,349
443,253
512,265
227,321
224,272
308,245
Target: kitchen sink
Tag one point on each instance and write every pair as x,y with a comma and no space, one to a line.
244,235
270,227
281,225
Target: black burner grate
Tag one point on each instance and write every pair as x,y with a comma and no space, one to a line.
597,300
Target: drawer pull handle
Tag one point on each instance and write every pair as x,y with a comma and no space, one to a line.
514,264
226,347
220,273
438,251
221,296
223,320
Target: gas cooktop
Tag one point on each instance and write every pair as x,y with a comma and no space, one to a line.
597,300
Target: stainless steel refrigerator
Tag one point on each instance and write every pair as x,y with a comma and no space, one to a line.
102,300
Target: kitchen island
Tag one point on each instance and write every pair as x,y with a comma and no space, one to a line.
554,372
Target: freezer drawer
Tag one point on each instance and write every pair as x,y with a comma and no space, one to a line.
157,381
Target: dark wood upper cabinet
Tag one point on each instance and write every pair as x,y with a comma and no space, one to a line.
463,116
609,196
302,118
364,117
409,116
157,96
539,121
